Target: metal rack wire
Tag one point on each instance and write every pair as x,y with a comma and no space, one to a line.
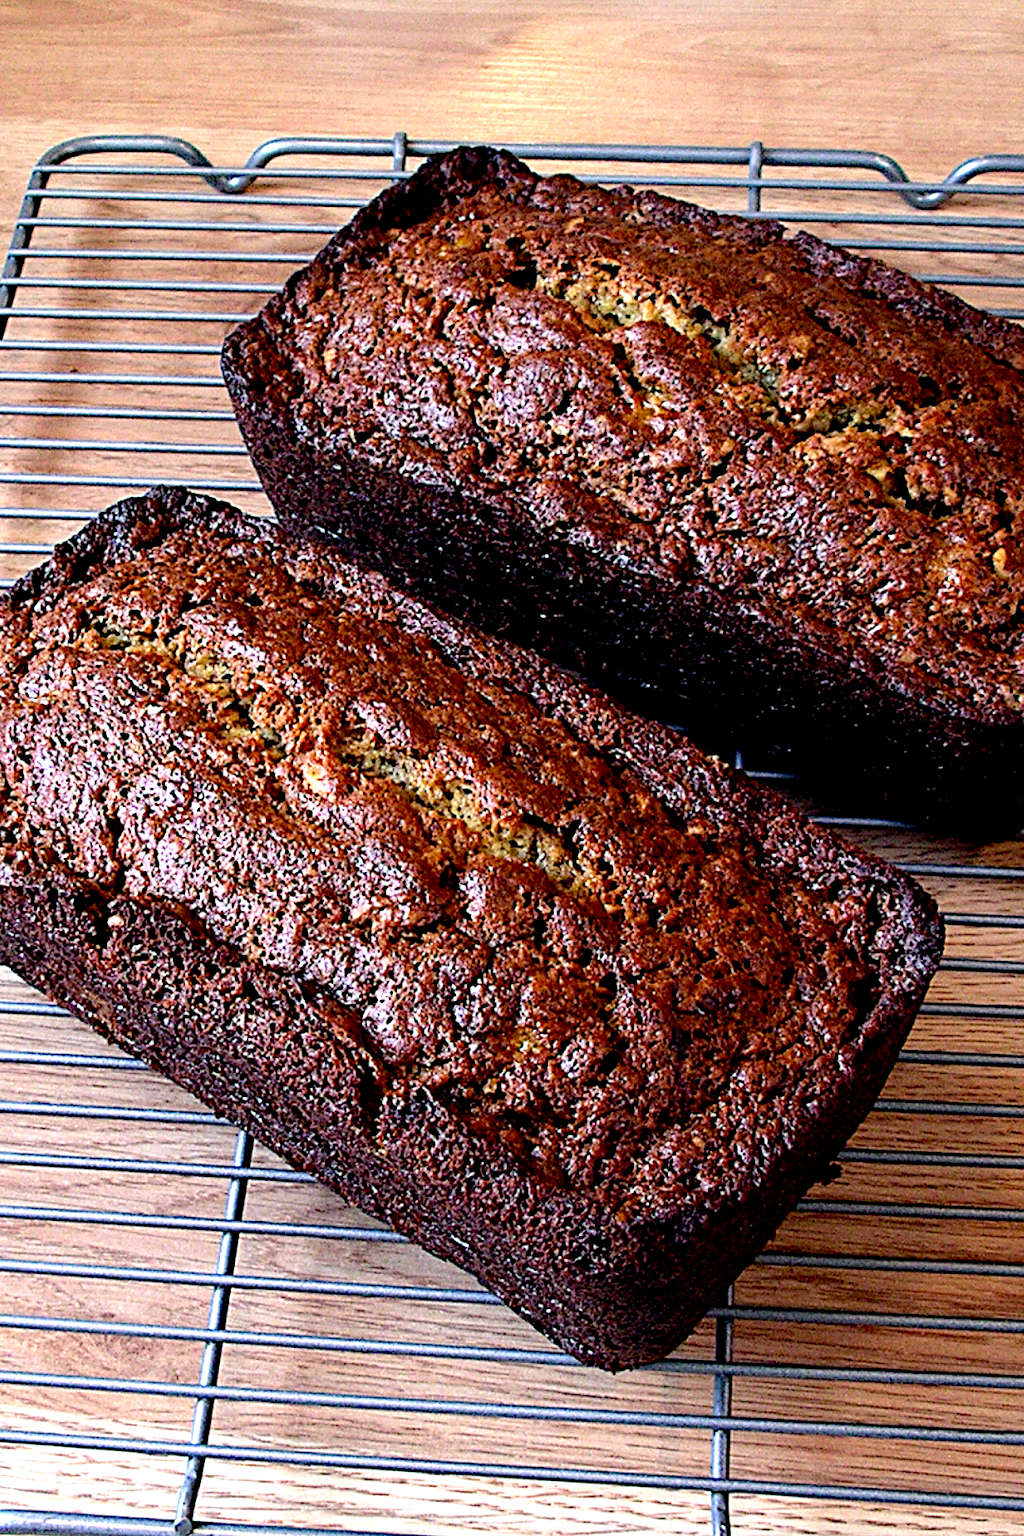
196,1337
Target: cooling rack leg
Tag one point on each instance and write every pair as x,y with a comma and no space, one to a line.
721,1407
209,1369
754,168
30,205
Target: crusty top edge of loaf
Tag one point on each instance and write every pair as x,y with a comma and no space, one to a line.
721,403
602,952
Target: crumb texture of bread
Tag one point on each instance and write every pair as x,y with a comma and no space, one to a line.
621,1011
684,401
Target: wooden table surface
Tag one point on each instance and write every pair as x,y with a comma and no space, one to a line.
928,83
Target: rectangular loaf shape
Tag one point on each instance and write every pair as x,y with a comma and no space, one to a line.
746,481
525,975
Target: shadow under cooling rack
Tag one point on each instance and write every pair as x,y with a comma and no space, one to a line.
193,1334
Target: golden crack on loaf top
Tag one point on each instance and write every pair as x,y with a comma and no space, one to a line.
690,394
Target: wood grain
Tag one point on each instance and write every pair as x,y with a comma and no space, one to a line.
931,82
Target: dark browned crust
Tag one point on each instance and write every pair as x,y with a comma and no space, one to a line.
732,666
281,1057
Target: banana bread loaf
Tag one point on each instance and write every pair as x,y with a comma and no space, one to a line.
567,1002
747,481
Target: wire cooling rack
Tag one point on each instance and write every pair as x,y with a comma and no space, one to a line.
181,1307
